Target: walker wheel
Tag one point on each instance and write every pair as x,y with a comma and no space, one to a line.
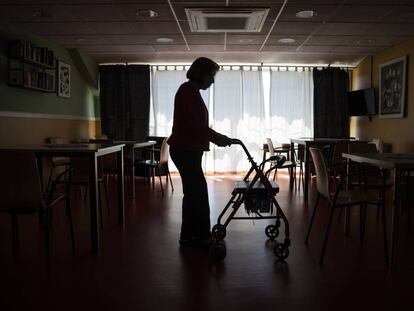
281,251
272,232
218,251
219,232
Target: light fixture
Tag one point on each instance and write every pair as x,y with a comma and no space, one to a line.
245,40
164,40
306,14
146,13
286,40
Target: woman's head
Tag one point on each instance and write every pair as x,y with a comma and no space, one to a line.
202,71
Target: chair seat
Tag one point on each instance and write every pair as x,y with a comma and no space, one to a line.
151,163
57,161
355,197
287,164
241,187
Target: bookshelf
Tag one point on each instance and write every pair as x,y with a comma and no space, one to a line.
31,67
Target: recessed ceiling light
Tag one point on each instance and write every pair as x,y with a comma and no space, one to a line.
245,40
146,13
164,40
286,40
41,14
306,14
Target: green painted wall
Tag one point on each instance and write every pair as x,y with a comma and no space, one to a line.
84,100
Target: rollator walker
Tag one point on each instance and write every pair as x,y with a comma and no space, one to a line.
258,197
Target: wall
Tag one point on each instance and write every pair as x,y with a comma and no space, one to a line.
28,117
397,132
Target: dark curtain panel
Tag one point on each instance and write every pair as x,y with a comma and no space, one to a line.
125,101
330,107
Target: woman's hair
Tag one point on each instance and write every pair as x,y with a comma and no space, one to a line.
201,67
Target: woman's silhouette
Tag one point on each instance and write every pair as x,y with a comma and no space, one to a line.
189,139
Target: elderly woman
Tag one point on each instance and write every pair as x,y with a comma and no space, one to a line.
190,137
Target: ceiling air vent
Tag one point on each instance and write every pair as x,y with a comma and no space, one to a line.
226,19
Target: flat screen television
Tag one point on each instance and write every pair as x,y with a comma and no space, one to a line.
361,102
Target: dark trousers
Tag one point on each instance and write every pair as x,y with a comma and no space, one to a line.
195,208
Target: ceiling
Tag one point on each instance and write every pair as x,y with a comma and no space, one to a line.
342,32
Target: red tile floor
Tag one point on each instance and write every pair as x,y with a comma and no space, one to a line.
141,268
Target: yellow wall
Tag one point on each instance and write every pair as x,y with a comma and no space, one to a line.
397,132
28,130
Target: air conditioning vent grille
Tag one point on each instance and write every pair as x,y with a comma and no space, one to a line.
226,20
226,23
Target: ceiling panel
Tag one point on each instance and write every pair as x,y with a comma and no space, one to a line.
295,28
27,13
75,28
244,48
106,29
400,14
94,12
328,40
163,10
343,28
155,27
323,12
391,29
206,39
316,49
361,13
113,28
245,39
77,40
99,48
135,48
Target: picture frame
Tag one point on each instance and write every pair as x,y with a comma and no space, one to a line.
63,79
392,84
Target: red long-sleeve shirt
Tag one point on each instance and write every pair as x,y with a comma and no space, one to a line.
190,127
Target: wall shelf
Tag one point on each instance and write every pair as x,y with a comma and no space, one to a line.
31,67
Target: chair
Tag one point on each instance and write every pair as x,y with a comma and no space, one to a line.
80,177
342,198
291,166
21,193
57,162
158,163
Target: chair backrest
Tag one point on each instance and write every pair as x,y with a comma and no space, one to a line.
54,140
164,151
20,186
379,143
270,147
322,177
339,148
101,137
361,147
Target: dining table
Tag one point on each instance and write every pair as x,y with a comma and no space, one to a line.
129,153
91,152
399,163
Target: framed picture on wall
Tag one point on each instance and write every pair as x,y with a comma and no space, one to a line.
392,88
63,79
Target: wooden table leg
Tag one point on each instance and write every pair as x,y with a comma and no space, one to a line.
121,199
94,204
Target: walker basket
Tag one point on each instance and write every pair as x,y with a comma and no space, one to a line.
258,202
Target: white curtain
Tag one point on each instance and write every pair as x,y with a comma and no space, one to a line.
238,112
291,105
165,83
241,106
